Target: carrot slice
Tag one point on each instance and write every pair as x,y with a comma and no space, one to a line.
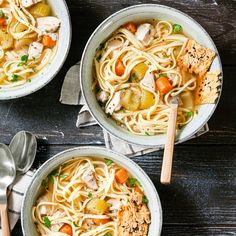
163,85
121,176
48,41
101,221
2,21
130,26
120,68
66,229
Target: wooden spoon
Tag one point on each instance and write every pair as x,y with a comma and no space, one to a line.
170,141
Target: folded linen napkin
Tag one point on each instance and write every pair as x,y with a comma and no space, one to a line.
16,195
71,95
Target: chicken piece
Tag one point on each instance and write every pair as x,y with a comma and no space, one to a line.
115,204
48,24
145,33
35,49
16,54
148,80
114,104
45,209
89,179
102,96
195,58
29,3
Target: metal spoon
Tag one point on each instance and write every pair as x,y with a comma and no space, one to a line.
170,141
23,147
7,176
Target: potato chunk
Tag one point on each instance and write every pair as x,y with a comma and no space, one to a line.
97,206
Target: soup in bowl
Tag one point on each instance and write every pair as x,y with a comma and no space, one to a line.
91,191
138,61
30,40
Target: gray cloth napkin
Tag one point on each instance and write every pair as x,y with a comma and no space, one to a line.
71,95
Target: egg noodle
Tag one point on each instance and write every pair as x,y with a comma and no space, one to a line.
160,57
19,31
67,198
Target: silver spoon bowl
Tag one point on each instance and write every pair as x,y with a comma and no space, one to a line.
7,176
23,148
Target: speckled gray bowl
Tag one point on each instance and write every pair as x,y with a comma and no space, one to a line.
141,13
60,10
34,188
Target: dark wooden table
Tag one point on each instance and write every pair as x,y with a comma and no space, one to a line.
202,197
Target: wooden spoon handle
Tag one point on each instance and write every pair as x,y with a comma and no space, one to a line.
4,220
169,146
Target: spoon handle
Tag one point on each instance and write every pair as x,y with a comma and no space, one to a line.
4,220
169,146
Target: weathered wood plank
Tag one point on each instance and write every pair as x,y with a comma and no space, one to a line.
216,16
203,189
42,114
202,196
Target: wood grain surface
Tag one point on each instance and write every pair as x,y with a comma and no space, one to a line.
201,199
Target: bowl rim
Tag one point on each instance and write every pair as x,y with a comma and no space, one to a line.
23,92
82,81
117,157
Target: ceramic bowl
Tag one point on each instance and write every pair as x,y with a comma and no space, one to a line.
141,13
32,193
60,9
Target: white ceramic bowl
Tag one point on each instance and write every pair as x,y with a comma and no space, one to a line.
34,188
60,9
141,13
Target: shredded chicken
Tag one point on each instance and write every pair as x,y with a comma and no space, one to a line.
148,80
134,219
35,49
48,24
89,179
29,3
114,104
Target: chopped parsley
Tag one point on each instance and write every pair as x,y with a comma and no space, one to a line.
75,224
133,77
147,133
98,58
162,75
95,165
15,78
46,222
190,113
47,31
24,60
132,181
108,234
45,183
109,162
145,200
177,28
1,14
90,195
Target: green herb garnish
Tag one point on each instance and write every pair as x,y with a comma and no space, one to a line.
90,195
15,78
109,162
1,14
162,75
145,200
24,60
46,221
95,165
147,133
108,234
132,182
190,114
133,77
98,58
75,224
177,28
45,183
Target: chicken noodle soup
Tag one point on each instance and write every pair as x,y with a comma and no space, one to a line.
141,67
90,197
28,39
